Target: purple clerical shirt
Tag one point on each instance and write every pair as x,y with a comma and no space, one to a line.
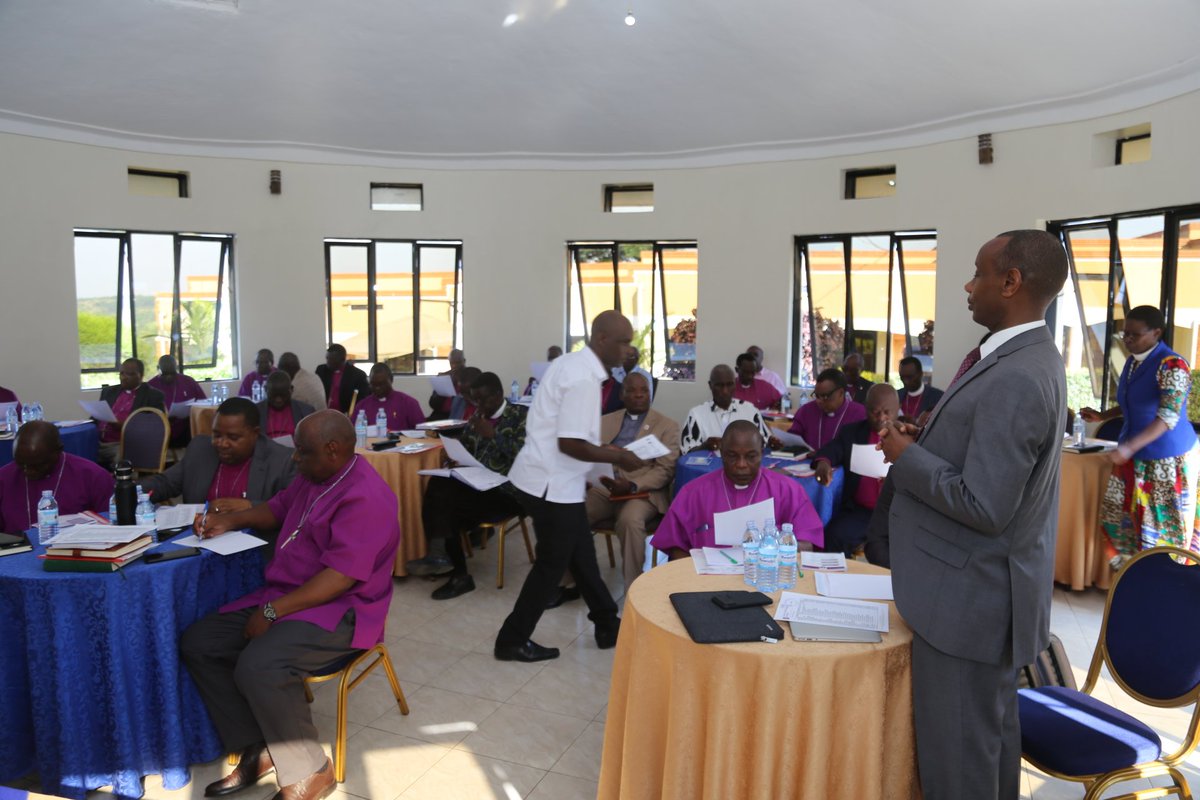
248,382
403,411
819,428
759,394
9,396
689,520
347,523
181,389
78,485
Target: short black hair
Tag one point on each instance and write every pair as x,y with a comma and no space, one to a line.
1149,316
916,362
746,357
137,362
381,367
487,381
335,348
240,407
833,374
1040,258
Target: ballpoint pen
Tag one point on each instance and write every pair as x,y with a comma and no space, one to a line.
732,560
203,518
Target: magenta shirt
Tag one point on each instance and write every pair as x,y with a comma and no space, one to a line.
335,389
352,529
818,429
248,382
403,411
280,422
689,520
82,486
122,407
183,388
9,396
759,394
230,481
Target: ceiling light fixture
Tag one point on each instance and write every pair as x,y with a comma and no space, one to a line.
630,19
511,20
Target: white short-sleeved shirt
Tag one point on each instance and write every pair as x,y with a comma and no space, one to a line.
566,406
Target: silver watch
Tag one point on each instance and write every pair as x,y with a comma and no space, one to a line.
268,612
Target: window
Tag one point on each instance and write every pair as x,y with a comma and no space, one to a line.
866,293
1119,262
146,295
397,197
865,183
654,284
153,183
1133,149
395,301
632,199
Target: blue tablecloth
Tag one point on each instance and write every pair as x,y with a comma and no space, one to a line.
825,499
92,690
81,440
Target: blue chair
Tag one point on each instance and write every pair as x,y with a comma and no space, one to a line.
1151,648
1111,430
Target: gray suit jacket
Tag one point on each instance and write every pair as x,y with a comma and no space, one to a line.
271,470
974,513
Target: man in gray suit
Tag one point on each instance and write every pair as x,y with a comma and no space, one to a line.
234,469
972,518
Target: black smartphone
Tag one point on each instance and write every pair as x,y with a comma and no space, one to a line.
735,599
171,555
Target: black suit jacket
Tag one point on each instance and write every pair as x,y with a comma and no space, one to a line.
299,412
271,470
929,399
352,378
838,451
145,395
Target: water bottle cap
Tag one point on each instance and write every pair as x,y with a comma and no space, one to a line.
47,493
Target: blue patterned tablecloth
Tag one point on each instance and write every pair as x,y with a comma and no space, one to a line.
825,499
81,440
92,690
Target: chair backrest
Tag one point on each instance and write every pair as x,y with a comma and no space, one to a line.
1148,639
144,439
1110,431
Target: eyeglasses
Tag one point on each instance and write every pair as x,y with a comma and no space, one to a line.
1128,334
826,395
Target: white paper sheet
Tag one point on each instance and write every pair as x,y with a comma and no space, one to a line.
224,545
286,441
648,447
831,562
414,434
828,611
437,473
703,568
68,423
83,518
865,460
459,454
99,534
181,409
180,516
538,369
788,438
599,471
98,409
730,526
724,556
855,587
443,385
479,478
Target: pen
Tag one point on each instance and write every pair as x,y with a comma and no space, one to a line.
768,640
732,560
203,517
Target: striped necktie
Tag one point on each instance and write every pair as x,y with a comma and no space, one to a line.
971,360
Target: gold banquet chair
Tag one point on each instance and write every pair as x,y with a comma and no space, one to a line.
342,671
144,439
501,527
1151,648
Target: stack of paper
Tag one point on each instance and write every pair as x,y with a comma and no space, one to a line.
467,469
96,548
831,562
856,614
225,545
724,556
703,567
859,587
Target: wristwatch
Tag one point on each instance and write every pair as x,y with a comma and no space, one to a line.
268,611
633,488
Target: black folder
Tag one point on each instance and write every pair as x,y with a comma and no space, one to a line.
707,623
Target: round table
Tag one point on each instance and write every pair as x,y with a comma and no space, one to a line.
82,440
399,471
1079,552
93,691
825,499
793,719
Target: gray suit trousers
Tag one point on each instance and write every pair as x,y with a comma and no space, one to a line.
970,709
254,689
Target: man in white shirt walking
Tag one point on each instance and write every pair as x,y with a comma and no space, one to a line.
562,440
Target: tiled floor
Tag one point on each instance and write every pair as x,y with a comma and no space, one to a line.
483,729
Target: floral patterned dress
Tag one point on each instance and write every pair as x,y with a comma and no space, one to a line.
1152,502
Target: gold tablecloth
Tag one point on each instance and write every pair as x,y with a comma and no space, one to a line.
200,418
1079,560
399,471
779,423
687,720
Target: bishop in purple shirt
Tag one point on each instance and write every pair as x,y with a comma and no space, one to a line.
39,463
326,596
176,388
403,411
739,483
819,420
750,389
9,396
264,364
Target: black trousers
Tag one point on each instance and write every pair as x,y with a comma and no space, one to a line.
564,540
848,529
451,507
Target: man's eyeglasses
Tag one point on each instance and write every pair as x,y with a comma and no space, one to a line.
826,395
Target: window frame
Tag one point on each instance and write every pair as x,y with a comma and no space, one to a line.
180,177
611,189
850,189
420,187
1122,140
372,297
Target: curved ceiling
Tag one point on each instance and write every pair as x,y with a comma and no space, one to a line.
565,83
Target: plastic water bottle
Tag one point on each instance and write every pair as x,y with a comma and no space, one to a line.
144,514
533,387
33,411
256,392
787,557
360,429
515,392
47,517
112,509
750,542
381,422
1079,430
768,560
11,420
785,403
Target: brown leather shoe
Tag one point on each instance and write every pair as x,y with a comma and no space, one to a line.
314,787
254,765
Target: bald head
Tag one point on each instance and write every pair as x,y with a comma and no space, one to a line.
742,431
324,444
289,363
329,426
883,405
37,448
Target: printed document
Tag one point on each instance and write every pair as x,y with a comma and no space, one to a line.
648,448
98,409
833,562
180,516
79,535
181,409
704,568
857,587
443,385
730,526
865,460
858,614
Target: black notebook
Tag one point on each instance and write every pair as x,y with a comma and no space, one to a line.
707,623
11,544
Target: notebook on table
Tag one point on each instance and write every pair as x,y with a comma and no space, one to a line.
707,623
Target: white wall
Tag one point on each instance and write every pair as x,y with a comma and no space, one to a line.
514,225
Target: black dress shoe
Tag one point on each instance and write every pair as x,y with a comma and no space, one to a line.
606,635
458,584
254,765
530,651
429,565
565,595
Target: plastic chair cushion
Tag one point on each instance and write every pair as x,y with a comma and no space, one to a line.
1070,732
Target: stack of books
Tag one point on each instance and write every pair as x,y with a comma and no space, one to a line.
96,548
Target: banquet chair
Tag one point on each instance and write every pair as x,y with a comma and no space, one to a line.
342,671
606,529
1153,656
501,527
144,439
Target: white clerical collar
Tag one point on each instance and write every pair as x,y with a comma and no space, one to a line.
917,392
500,411
632,416
740,488
1139,357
